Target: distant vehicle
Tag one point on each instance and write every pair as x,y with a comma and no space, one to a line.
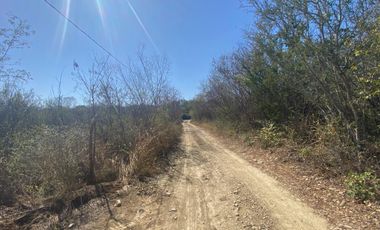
186,117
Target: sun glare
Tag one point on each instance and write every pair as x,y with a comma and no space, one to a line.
101,11
143,26
66,7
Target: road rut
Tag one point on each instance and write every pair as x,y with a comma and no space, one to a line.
209,186
217,189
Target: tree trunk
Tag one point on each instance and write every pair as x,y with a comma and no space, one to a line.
91,152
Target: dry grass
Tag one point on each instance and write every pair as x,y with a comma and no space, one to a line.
150,147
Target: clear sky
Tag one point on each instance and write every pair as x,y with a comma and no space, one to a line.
191,33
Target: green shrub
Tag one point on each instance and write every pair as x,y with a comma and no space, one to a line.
269,136
335,151
363,186
305,152
249,139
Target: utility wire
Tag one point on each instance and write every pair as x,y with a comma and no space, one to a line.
83,32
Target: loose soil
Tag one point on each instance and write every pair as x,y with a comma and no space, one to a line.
206,186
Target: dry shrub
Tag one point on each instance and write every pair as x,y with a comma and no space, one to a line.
47,162
6,186
143,157
106,170
150,147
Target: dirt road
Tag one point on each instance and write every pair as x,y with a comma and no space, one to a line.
211,187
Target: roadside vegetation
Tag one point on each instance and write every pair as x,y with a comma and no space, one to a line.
307,80
50,148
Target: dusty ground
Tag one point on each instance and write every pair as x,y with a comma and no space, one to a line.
323,192
207,187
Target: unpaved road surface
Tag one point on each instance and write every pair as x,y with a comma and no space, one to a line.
211,187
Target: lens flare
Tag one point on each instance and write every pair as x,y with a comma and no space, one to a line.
143,26
101,12
103,16
64,30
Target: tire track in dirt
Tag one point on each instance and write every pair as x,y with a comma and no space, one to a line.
208,186
288,211
204,197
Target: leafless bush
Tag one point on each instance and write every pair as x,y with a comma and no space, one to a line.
48,163
152,109
130,112
147,88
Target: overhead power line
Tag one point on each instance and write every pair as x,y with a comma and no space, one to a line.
83,31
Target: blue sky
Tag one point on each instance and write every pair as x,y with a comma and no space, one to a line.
191,33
